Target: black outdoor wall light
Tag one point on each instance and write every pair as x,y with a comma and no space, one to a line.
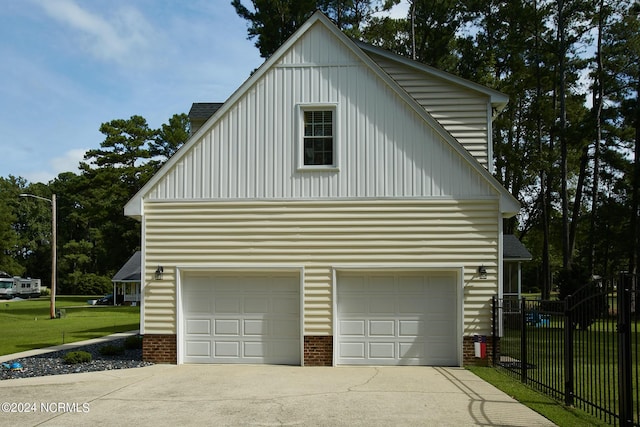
159,272
482,270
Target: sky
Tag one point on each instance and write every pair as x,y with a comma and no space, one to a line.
70,65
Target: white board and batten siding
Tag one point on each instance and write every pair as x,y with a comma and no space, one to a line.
385,148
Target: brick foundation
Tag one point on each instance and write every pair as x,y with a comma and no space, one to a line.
318,351
158,348
468,352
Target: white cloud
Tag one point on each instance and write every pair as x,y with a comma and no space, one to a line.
122,37
68,162
398,11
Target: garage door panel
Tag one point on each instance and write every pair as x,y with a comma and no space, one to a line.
252,318
411,304
382,350
379,284
286,305
397,318
227,327
352,328
226,305
382,328
199,302
413,284
254,349
411,350
352,350
379,305
410,328
287,329
198,326
353,305
353,285
256,305
283,284
255,328
227,349
198,349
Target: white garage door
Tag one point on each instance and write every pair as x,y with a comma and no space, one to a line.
397,319
241,318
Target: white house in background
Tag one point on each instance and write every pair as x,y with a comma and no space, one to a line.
127,281
514,253
337,209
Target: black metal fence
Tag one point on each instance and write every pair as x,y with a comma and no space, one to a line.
582,350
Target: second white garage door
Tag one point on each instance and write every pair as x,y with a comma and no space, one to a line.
241,318
397,319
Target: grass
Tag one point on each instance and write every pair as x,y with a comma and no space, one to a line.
595,358
26,325
544,405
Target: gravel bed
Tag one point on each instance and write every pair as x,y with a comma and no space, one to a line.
54,364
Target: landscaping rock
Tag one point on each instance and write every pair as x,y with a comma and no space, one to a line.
54,364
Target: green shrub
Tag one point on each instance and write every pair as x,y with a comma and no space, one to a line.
45,292
74,357
78,283
134,342
111,350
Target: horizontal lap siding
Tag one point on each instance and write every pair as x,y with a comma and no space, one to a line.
318,236
461,112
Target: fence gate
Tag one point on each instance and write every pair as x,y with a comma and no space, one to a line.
582,350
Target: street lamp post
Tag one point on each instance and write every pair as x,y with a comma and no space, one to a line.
52,200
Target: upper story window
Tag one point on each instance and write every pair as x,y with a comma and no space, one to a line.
318,146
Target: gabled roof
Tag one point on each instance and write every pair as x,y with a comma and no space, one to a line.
203,110
514,250
509,206
130,271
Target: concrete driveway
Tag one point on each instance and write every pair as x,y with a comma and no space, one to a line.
232,395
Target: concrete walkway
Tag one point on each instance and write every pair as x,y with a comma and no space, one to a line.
232,395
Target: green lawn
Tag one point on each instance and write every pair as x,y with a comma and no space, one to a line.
545,405
26,324
594,362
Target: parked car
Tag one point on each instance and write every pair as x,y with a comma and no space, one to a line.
106,300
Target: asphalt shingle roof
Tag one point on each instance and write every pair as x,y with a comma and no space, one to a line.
130,271
204,110
513,249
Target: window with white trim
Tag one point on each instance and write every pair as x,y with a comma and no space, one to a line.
318,144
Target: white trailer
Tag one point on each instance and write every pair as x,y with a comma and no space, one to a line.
12,287
6,286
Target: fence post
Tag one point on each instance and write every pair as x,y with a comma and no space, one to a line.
494,335
523,342
568,352
624,351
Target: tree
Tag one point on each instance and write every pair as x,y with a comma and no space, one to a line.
271,22
623,62
170,137
9,233
353,16
437,23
